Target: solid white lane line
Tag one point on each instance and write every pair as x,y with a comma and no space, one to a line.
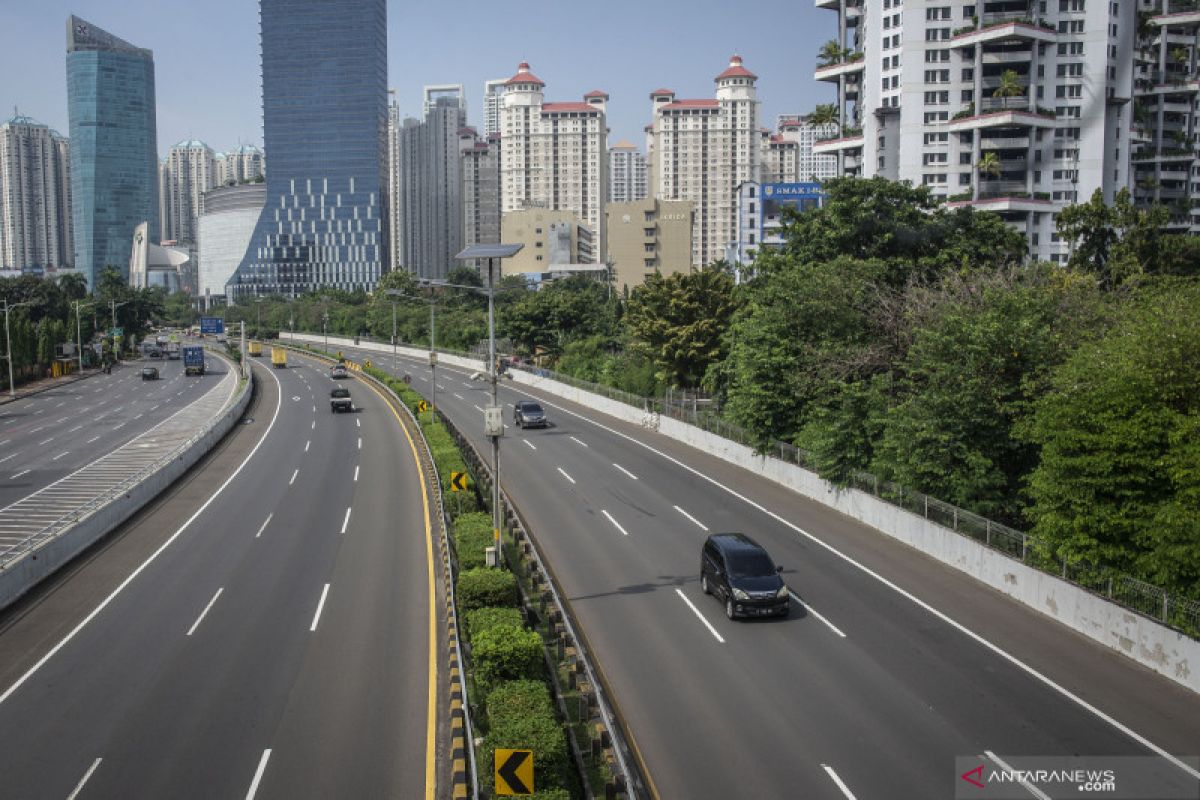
346,521
77,427
565,475
1029,787
6,458
266,522
701,525
293,480
306,444
133,575
89,441
532,446
696,611
356,473
19,474
813,611
84,779
360,443
320,605
585,444
627,472
958,626
833,775
60,455
196,624
258,773
614,522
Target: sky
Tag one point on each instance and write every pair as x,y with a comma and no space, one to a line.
206,55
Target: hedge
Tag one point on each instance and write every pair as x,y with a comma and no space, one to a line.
482,619
538,732
511,699
505,652
472,534
483,586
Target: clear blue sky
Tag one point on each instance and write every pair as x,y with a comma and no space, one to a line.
207,61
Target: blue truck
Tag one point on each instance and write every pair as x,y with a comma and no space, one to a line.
193,360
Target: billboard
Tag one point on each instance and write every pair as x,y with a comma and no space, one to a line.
212,325
801,196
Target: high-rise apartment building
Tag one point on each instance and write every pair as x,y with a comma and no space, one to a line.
395,228
702,150
325,218
1010,106
788,153
1165,123
243,164
626,173
493,91
191,171
114,158
35,197
480,160
554,155
431,185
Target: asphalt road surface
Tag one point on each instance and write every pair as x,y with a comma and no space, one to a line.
264,632
890,666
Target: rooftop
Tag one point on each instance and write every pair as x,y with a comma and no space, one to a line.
736,70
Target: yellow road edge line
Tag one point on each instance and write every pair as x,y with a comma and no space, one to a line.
431,732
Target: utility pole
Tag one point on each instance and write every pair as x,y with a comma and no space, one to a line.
79,331
12,389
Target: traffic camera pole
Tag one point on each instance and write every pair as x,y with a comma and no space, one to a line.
495,439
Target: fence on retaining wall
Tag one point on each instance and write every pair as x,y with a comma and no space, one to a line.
1179,612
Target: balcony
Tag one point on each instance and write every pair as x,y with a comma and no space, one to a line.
1001,205
1003,142
834,4
831,72
1005,32
1021,103
1002,119
852,141
1178,18
1007,57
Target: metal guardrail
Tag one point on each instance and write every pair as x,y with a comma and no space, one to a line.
58,525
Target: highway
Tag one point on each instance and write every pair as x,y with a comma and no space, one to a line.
890,666
264,631
46,436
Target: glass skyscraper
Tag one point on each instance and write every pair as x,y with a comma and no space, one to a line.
114,163
325,136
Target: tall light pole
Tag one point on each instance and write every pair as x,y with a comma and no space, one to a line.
394,293
493,417
115,305
12,389
79,304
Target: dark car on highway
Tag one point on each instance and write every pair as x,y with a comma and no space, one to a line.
339,400
528,414
149,373
739,571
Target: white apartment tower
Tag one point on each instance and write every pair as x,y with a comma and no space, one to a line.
35,197
243,164
788,153
191,171
626,173
394,188
554,155
702,150
480,187
493,91
1013,106
1165,124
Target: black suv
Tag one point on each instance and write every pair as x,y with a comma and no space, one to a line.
339,400
738,570
528,414
149,373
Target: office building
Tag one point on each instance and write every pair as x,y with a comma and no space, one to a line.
35,197
493,91
114,158
395,228
156,266
228,216
324,223
554,156
191,171
649,236
626,173
760,215
554,241
431,184
480,160
701,150
991,105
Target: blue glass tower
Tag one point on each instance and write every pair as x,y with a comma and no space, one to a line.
325,135
114,161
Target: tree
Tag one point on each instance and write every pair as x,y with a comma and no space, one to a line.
831,53
678,321
989,165
564,310
1119,474
1010,85
824,114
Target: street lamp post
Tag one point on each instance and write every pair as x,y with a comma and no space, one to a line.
79,304
493,417
115,305
12,389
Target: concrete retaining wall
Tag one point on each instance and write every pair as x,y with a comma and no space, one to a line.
1150,643
25,573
